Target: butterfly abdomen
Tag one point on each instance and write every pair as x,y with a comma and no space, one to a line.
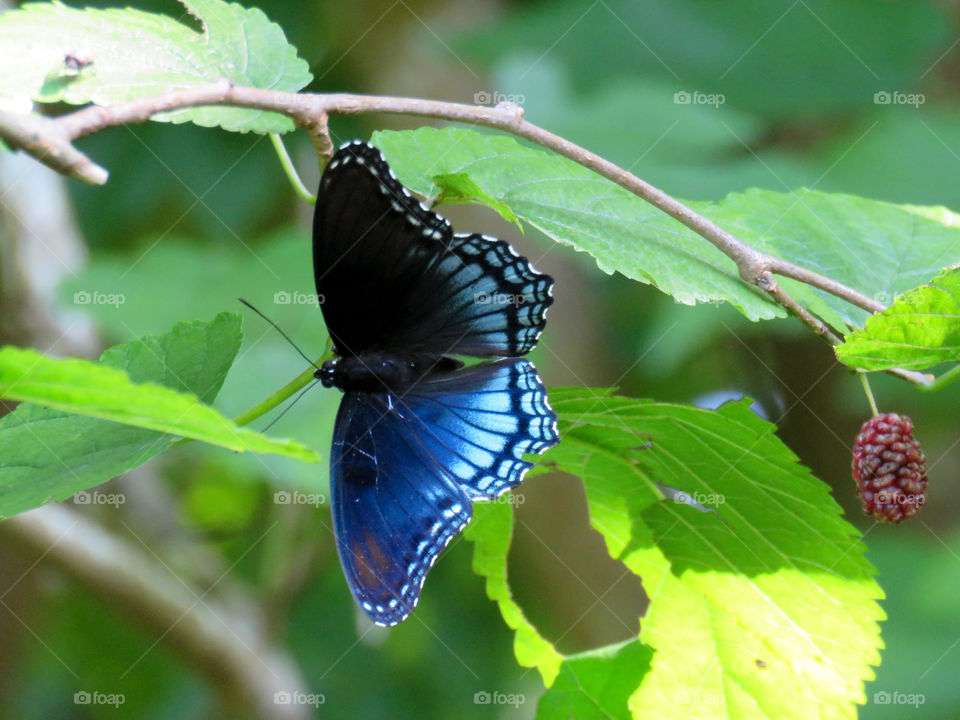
382,372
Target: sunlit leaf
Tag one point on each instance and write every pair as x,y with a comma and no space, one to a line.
49,454
920,329
766,606
127,54
878,248
491,531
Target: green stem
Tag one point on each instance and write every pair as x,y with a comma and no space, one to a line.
869,393
290,170
269,403
298,383
265,406
942,381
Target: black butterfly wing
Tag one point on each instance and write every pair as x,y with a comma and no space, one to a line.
405,469
393,277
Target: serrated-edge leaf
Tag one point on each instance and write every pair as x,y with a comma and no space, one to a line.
878,248
619,230
596,685
920,329
86,388
765,608
50,455
133,54
491,531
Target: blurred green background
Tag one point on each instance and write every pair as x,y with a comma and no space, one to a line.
699,98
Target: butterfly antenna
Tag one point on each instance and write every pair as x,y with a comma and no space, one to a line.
287,408
285,336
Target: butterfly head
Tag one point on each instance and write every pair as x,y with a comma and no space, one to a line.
326,373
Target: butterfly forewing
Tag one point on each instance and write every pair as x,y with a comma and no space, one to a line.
394,277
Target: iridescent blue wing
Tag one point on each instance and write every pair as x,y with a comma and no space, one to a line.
394,511
404,470
393,276
477,423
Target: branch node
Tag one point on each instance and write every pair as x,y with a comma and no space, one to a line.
765,281
510,108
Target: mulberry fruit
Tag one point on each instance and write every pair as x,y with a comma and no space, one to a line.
888,466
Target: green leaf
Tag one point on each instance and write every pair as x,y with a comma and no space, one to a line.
878,248
100,391
49,454
765,608
275,280
576,207
596,684
459,188
133,54
491,531
920,329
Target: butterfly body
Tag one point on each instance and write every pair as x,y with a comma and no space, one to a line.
381,372
418,436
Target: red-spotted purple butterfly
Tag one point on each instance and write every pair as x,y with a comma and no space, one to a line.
419,437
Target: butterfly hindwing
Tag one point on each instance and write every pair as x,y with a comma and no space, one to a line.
405,469
393,511
477,423
393,276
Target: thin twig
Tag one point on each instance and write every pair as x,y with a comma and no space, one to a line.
50,142
286,162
